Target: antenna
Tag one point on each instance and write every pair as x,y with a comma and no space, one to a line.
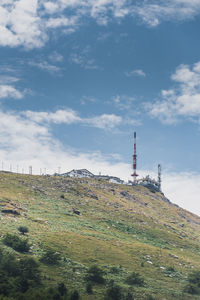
134,161
159,176
30,170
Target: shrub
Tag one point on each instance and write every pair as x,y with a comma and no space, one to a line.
129,296
89,288
170,269
62,289
50,257
194,283
95,274
16,243
18,276
29,269
114,293
135,279
75,295
23,229
114,270
150,297
194,277
192,289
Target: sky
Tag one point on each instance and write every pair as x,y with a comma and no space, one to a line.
78,77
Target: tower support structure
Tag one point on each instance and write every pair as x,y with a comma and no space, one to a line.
159,176
134,162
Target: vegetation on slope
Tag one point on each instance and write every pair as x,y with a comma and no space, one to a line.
73,226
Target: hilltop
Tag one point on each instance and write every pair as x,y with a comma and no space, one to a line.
116,227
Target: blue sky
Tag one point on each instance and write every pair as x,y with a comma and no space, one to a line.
77,78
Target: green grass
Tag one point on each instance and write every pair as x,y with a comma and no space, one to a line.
140,232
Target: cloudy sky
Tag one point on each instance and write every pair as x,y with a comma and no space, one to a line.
78,77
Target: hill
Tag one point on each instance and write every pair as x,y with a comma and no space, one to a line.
121,229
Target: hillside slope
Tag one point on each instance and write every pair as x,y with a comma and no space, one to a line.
120,228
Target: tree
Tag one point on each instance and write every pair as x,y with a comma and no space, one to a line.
114,293
16,243
89,288
75,295
95,274
135,279
62,289
193,287
50,257
23,229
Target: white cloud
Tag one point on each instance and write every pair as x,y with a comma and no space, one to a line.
104,121
84,61
29,23
56,57
183,189
61,22
7,79
45,66
8,91
21,25
60,116
182,100
123,102
154,12
26,140
137,72
69,116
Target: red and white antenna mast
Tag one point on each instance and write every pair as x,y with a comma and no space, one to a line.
134,161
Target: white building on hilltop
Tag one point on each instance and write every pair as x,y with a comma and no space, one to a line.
82,173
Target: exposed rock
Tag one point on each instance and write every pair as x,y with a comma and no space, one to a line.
125,194
10,211
174,256
76,211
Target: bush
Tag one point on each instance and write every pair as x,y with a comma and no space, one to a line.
114,293
75,295
95,274
129,296
135,279
194,277
23,229
149,297
17,276
16,243
114,270
192,289
50,257
170,269
194,283
62,289
89,288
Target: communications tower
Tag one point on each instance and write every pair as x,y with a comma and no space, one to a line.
134,161
159,176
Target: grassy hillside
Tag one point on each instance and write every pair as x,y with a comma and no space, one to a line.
120,228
